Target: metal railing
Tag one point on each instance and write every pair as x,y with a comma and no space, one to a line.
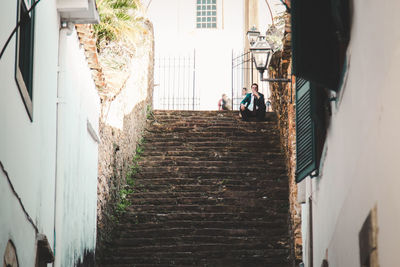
242,74
174,83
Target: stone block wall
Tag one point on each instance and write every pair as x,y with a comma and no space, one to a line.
283,103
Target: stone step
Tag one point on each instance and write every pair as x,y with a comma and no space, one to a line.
160,217
220,194
276,207
209,249
267,242
206,188
215,137
214,115
237,126
208,154
215,142
208,235
198,188
256,182
274,148
234,261
211,172
272,197
127,223
229,131
190,254
155,163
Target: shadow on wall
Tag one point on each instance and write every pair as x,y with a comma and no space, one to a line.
88,260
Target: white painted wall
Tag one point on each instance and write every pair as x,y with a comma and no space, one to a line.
135,90
175,33
77,154
15,226
361,164
28,149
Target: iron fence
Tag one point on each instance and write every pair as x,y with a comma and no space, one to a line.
174,78
242,74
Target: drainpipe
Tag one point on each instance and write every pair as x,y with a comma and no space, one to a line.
65,30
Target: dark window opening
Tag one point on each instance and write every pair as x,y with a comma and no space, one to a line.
24,55
320,34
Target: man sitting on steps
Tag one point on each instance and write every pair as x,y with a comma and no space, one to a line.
253,105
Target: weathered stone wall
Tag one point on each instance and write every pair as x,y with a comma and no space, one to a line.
123,119
283,103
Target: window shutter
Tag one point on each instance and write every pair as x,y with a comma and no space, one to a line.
315,47
305,130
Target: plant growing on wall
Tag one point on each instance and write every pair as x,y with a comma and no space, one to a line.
275,33
120,29
118,21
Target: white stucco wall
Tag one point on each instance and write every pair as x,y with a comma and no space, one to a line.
135,90
27,149
77,154
361,165
14,225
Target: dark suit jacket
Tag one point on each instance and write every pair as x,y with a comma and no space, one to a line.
260,103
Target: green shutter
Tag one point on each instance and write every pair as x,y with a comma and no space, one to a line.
305,130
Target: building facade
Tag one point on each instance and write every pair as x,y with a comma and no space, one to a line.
49,113
212,33
348,179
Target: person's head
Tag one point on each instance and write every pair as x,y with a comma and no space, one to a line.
254,87
244,90
224,96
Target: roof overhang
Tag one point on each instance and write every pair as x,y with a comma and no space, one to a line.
78,11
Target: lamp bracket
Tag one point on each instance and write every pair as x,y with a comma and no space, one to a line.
282,80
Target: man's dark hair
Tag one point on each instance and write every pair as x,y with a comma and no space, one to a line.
255,85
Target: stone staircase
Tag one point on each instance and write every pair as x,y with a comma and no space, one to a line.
211,191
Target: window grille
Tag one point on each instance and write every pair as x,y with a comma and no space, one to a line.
206,14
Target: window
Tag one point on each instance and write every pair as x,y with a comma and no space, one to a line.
320,35
312,118
317,59
206,14
24,54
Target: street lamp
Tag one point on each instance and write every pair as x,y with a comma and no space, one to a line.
252,35
262,54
